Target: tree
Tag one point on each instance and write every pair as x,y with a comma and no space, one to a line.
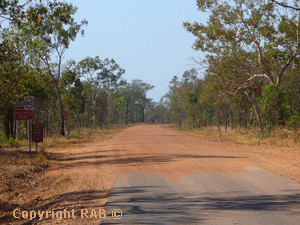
174,98
127,92
56,28
157,112
134,94
255,38
87,69
19,73
12,11
102,76
141,88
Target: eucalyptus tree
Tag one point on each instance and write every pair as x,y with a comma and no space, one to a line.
72,90
157,112
174,98
116,108
127,91
14,53
135,96
56,29
103,76
87,69
12,11
19,72
141,88
255,41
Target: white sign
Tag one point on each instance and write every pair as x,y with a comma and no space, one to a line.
29,103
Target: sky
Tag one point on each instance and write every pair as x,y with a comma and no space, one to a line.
145,37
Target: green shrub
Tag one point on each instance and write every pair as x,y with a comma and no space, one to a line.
75,135
274,106
294,122
8,142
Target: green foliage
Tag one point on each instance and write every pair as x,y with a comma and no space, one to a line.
294,122
274,106
8,142
74,135
253,49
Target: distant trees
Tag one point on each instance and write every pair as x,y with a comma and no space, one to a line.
135,100
158,112
251,71
102,77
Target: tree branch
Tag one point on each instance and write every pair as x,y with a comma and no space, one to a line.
286,6
286,66
258,75
268,72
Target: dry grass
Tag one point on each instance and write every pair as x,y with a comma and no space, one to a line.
21,174
278,137
81,136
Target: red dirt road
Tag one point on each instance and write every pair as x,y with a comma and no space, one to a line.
87,173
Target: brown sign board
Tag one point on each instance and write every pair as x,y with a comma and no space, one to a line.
21,114
37,133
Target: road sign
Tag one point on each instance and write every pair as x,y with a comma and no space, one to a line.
37,133
29,103
21,114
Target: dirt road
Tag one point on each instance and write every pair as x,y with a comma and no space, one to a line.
234,179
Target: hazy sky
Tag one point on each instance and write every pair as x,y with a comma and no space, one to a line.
145,37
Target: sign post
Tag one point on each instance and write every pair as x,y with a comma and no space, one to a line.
37,133
29,104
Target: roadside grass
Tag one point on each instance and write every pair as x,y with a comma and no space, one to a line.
19,173
278,137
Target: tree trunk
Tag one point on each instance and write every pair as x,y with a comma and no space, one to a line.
226,121
93,108
127,103
219,125
47,124
61,109
9,123
257,111
143,114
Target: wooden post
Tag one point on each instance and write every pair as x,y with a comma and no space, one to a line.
17,128
29,139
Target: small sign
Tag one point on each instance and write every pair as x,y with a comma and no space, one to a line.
21,114
29,103
37,133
